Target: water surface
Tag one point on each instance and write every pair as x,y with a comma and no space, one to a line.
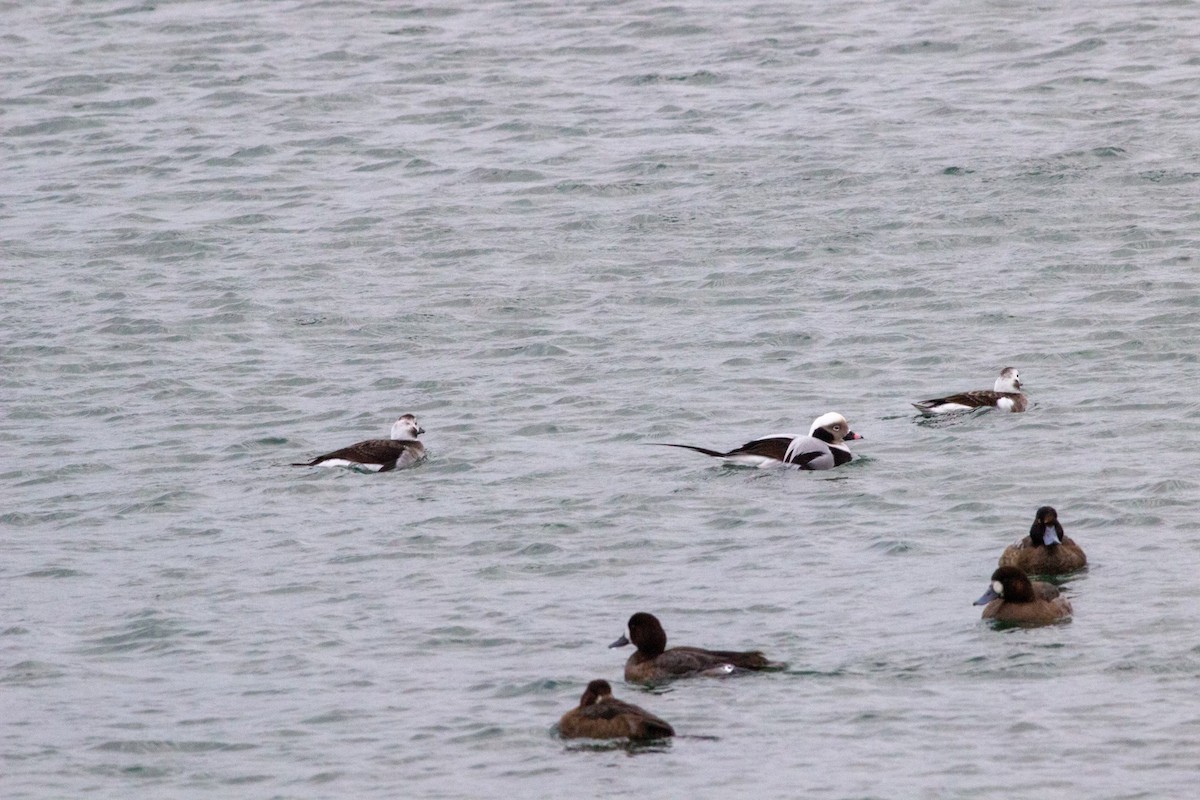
236,235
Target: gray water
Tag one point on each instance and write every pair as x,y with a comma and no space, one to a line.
235,235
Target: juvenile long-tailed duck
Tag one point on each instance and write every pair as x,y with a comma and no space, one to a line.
1012,597
1046,550
654,663
378,455
823,448
1005,395
599,715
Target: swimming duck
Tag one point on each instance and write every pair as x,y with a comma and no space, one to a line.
1005,395
1046,550
653,662
379,455
1012,597
823,448
599,715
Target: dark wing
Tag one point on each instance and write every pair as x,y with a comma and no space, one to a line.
688,660
982,398
372,451
775,447
750,659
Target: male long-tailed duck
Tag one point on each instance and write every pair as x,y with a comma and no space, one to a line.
823,448
654,663
1012,597
1005,395
599,715
378,455
1046,550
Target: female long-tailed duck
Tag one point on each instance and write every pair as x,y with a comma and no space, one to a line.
654,663
378,455
599,715
1012,597
823,448
1046,550
1005,395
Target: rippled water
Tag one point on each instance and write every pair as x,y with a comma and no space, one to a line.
234,235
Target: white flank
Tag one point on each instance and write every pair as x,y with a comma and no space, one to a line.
947,408
762,462
341,462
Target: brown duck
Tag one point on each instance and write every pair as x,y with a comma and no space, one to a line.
1012,597
1046,550
599,715
653,662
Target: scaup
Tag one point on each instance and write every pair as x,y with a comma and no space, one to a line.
599,715
653,662
1012,597
1046,550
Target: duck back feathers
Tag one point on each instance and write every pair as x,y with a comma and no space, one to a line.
599,715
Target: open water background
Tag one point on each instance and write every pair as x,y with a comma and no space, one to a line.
238,234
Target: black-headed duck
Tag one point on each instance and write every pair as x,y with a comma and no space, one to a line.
378,455
823,448
599,715
1046,550
653,662
1005,395
1012,597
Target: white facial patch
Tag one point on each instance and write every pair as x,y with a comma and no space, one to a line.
998,588
828,421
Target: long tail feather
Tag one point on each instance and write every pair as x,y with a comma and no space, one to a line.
703,450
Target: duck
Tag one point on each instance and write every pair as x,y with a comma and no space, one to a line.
1005,395
1046,550
378,455
823,448
1012,597
654,663
599,715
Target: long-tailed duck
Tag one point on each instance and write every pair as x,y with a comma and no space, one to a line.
1046,550
1005,395
599,715
823,448
654,663
1012,597
379,455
